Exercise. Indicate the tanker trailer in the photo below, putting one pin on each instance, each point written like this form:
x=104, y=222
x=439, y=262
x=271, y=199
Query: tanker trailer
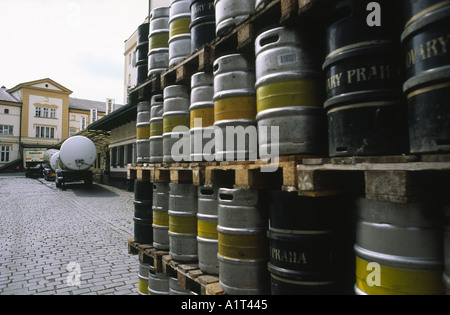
x=49, y=172
x=76, y=157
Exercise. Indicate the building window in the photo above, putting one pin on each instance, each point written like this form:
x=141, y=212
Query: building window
x=6, y=130
x=114, y=157
x=6, y=111
x=45, y=132
x=45, y=112
x=4, y=156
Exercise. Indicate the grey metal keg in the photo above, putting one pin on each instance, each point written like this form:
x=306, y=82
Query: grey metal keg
x=158, y=56
x=399, y=248
x=143, y=126
x=161, y=216
x=230, y=12
x=183, y=222
x=143, y=278
x=176, y=98
x=202, y=110
x=234, y=106
x=288, y=75
x=236, y=140
x=180, y=36
x=156, y=140
x=176, y=137
x=157, y=106
x=158, y=283
x=300, y=129
x=207, y=229
x=243, y=245
x=447, y=249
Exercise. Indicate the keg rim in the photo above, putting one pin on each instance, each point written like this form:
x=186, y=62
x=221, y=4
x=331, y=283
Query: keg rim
x=426, y=78
x=424, y=21
x=234, y=122
x=289, y=111
x=360, y=49
x=158, y=10
x=368, y=96
x=296, y=276
x=400, y=262
x=291, y=75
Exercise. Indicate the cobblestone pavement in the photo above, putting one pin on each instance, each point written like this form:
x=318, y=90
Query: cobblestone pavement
x=72, y=242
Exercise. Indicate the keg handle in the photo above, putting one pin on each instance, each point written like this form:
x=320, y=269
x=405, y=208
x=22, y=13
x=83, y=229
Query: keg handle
x=272, y=39
x=226, y=197
x=207, y=191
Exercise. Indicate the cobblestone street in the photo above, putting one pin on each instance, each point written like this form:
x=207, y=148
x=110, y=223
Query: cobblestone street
x=71, y=242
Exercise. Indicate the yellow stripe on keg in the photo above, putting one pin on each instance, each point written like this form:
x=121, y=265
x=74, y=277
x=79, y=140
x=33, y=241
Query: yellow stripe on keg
x=143, y=287
x=243, y=246
x=206, y=114
x=174, y=121
x=143, y=132
x=207, y=229
x=179, y=27
x=305, y=92
x=183, y=224
x=159, y=40
x=156, y=129
x=398, y=281
x=243, y=107
x=160, y=218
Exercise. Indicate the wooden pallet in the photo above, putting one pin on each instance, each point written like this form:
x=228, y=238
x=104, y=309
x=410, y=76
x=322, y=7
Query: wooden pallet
x=255, y=174
x=181, y=73
x=233, y=174
x=190, y=277
x=146, y=253
x=405, y=178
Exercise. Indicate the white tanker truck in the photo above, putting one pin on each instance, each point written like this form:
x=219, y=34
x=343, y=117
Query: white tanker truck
x=74, y=160
x=49, y=170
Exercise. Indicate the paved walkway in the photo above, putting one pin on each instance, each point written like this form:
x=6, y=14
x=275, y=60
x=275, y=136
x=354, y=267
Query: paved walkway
x=55, y=242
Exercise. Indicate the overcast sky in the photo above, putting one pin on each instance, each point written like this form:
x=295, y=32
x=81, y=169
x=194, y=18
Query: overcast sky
x=77, y=43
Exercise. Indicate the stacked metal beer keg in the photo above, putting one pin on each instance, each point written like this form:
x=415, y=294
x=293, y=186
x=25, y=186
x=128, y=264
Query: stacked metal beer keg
x=180, y=36
x=364, y=105
x=427, y=74
x=143, y=132
x=156, y=129
x=399, y=248
x=289, y=93
x=183, y=222
x=234, y=108
x=176, y=123
x=161, y=216
x=243, y=245
x=230, y=12
x=203, y=23
x=310, y=251
x=142, y=53
x=202, y=116
x=207, y=237
x=158, y=56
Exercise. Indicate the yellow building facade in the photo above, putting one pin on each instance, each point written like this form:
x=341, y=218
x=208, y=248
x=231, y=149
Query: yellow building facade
x=41, y=113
